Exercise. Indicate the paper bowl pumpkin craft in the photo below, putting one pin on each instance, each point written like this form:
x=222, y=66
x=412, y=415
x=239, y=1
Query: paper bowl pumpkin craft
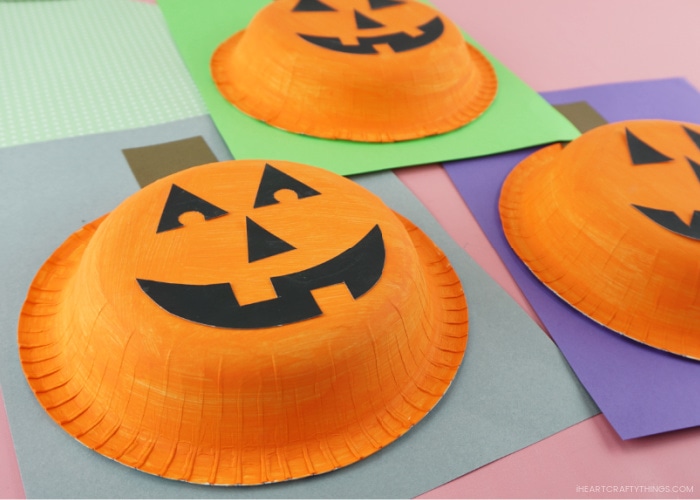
x=611, y=223
x=365, y=70
x=241, y=323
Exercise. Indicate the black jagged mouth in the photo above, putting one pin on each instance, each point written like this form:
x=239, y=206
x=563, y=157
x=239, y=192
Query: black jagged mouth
x=359, y=268
x=670, y=221
x=399, y=42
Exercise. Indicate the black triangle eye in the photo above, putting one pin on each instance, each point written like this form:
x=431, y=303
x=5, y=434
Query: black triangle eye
x=641, y=153
x=312, y=6
x=179, y=202
x=274, y=180
x=380, y=4
x=694, y=136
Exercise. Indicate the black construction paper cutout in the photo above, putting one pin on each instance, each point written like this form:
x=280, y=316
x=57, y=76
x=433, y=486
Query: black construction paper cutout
x=380, y=4
x=695, y=166
x=669, y=220
x=363, y=22
x=399, y=42
x=693, y=135
x=641, y=152
x=274, y=180
x=262, y=243
x=359, y=267
x=207, y=304
x=179, y=202
x=312, y=6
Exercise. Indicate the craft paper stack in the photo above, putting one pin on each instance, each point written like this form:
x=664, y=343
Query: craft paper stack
x=264, y=319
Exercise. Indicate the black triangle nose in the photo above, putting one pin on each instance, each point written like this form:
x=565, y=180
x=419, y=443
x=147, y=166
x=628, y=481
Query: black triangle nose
x=696, y=167
x=363, y=22
x=380, y=4
x=262, y=243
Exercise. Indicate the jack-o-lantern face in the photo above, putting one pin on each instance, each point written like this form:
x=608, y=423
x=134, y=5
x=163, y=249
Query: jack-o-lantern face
x=359, y=267
x=243, y=323
x=642, y=153
x=361, y=70
x=398, y=41
x=611, y=223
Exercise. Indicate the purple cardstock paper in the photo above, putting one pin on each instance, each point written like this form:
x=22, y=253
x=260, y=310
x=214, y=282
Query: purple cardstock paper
x=640, y=390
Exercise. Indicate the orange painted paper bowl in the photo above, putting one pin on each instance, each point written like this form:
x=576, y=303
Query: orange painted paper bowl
x=611, y=224
x=372, y=71
x=242, y=323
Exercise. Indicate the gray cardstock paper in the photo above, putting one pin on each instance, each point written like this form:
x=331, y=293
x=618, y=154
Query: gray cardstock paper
x=513, y=389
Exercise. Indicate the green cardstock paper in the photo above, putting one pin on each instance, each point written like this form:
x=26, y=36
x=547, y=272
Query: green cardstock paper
x=518, y=117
